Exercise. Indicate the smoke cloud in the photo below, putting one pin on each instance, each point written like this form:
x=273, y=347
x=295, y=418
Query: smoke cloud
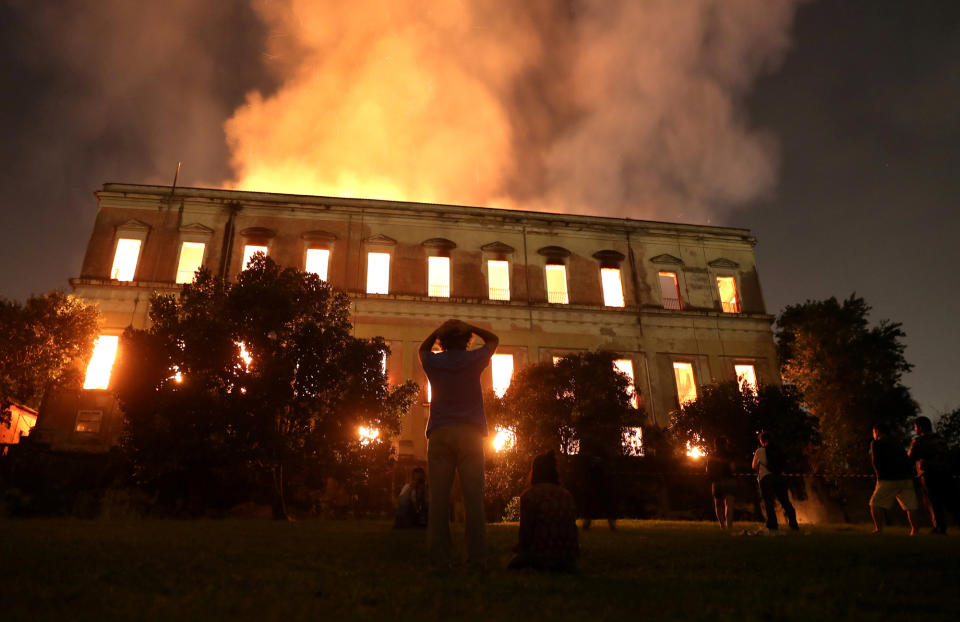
x=614, y=107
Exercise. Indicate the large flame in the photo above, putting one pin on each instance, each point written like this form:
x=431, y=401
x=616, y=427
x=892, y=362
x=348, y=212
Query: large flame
x=604, y=104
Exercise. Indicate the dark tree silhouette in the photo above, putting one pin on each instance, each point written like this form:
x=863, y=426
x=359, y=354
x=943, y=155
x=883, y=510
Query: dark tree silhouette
x=251, y=384
x=848, y=374
x=43, y=343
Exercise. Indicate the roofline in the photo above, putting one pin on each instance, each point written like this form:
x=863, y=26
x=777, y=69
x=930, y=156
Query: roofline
x=306, y=199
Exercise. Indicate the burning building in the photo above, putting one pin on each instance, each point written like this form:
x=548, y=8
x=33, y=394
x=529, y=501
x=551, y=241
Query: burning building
x=680, y=303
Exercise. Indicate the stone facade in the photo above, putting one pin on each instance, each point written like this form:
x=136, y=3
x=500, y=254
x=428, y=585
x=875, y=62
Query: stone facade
x=648, y=329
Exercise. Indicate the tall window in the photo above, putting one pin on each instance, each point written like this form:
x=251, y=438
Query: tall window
x=318, y=259
x=378, y=273
x=191, y=258
x=729, y=301
x=501, y=366
x=686, y=386
x=625, y=367
x=125, y=259
x=101, y=363
x=438, y=277
x=670, y=290
x=746, y=377
x=248, y=252
x=612, y=287
x=498, y=276
x=557, y=283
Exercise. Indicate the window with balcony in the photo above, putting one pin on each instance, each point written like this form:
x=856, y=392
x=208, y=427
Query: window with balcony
x=318, y=261
x=101, y=363
x=249, y=251
x=438, y=277
x=498, y=279
x=612, y=287
x=557, y=284
x=625, y=367
x=501, y=367
x=686, y=385
x=729, y=301
x=378, y=273
x=191, y=258
x=746, y=377
x=125, y=259
x=670, y=290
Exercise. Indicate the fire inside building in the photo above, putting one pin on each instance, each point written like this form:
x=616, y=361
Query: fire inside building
x=680, y=303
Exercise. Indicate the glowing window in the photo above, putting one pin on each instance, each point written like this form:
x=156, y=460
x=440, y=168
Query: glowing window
x=686, y=386
x=746, y=377
x=727, y=285
x=191, y=257
x=556, y=360
x=101, y=363
x=429, y=392
x=317, y=261
x=88, y=421
x=557, y=284
x=612, y=287
x=378, y=273
x=631, y=439
x=498, y=275
x=438, y=277
x=125, y=259
x=501, y=365
x=625, y=367
x=367, y=435
x=670, y=290
x=248, y=252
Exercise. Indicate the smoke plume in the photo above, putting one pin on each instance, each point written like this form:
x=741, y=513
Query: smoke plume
x=613, y=107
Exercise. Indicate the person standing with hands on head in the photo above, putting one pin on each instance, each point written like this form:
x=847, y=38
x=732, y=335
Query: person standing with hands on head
x=455, y=436
x=768, y=463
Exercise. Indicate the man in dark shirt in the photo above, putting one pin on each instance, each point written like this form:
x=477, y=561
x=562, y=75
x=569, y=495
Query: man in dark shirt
x=894, y=479
x=455, y=435
x=723, y=484
x=929, y=452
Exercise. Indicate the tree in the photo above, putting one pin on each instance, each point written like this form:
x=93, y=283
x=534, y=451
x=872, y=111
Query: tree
x=726, y=409
x=848, y=373
x=252, y=385
x=44, y=342
x=579, y=404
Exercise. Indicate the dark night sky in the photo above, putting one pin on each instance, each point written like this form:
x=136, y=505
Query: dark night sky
x=864, y=108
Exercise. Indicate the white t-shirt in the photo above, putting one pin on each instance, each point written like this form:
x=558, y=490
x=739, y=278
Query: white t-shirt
x=760, y=463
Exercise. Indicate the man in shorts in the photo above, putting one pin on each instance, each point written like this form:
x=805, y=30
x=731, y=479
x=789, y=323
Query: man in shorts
x=894, y=479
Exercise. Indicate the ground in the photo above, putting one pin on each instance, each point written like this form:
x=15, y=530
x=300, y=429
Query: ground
x=322, y=570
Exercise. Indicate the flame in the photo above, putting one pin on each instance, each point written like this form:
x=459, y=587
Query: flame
x=367, y=434
x=695, y=451
x=504, y=439
x=245, y=356
x=101, y=363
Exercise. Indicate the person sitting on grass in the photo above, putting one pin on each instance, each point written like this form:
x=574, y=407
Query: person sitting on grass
x=894, y=479
x=722, y=483
x=548, y=521
x=412, y=503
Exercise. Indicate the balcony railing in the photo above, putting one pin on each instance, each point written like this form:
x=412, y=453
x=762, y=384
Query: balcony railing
x=558, y=297
x=438, y=290
x=499, y=293
x=672, y=304
x=731, y=307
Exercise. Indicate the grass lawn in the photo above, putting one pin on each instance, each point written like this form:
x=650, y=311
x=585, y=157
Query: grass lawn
x=322, y=570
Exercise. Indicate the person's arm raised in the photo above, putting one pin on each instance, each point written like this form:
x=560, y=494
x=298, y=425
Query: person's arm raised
x=431, y=339
x=490, y=340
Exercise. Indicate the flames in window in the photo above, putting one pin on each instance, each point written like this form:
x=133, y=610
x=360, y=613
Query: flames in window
x=367, y=435
x=438, y=277
x=686, y=385
x=746, y=377
x=101, y=363
x=625, y=367
x=125, y=259
x=632, y=441
x=378, y=273
x=501, y=366
x=557, y=284
x=612, y=287
x=191, y=258
x=498, y=275
x=727, y=286
x=248, y=251
x=695, y=448
x=504, y=439
x=317, y=261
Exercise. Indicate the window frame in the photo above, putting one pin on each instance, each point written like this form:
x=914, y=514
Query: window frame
x=676, y=283
x=736, y=289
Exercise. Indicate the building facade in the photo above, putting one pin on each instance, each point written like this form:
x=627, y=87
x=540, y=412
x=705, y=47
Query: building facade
x=681, y=303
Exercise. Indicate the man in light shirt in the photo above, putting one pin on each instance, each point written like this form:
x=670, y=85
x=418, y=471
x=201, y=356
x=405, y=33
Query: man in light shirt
x=768, y=463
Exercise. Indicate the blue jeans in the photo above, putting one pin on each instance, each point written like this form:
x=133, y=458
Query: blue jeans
x=452, y=449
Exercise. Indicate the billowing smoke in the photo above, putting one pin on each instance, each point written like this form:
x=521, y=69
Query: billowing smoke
x=614, y=107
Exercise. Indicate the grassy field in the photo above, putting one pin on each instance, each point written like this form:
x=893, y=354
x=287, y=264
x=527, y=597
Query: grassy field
x=324, y=570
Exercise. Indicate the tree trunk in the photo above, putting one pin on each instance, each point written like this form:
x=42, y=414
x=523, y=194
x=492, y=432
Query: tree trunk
x=279, y=499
